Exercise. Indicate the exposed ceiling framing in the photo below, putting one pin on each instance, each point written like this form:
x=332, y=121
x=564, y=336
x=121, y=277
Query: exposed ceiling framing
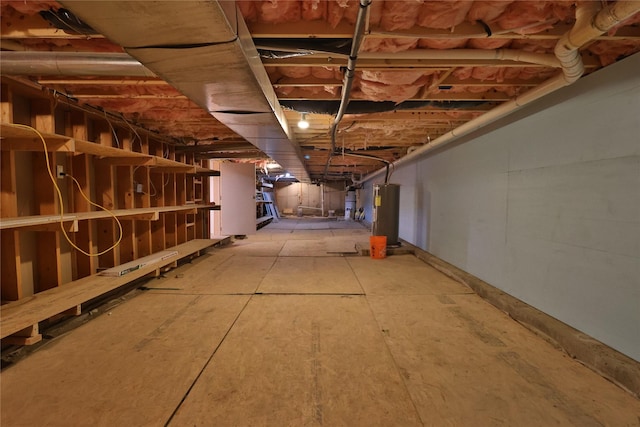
x=424, y=69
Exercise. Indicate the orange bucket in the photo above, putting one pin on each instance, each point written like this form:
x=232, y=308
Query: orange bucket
x=378, y=247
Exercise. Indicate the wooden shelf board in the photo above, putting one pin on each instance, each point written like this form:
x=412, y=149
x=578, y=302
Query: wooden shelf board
x=108, y=152
x=18, y=315
x=19, y=139
x=170, y=169
x=161, y=162
x=33, y=222
x=143, y=214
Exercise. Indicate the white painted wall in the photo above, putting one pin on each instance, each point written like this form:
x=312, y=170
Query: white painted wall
x=547, y=207
x=292, y=195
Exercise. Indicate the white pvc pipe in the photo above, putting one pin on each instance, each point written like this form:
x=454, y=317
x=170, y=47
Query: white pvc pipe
x=468, y=55
x=589, y=25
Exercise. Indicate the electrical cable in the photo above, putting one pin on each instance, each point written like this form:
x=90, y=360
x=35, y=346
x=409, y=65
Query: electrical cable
x=61, y=201
x=113, y=130
x=100, y=207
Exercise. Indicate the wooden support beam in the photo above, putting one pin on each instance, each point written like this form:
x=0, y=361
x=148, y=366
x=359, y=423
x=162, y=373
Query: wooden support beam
x=172, y=169
x=35, y=144
x=65, y=81
x=129, y=161
x=223, y=145
x=387, y=63
x=241, y=155
x=148, y=216
x=11, y=281
x=6, y=105
x=27, y=336
x=24, y=26
x=300, y=29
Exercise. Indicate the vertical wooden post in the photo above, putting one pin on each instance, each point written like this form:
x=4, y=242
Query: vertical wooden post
x=158, y=242
x=125, y=195
x=141, y=175
x=170, y=229
x=81, y=171
x=48, y=274
x=181, y=193
x=106, y=228
x=11, y=278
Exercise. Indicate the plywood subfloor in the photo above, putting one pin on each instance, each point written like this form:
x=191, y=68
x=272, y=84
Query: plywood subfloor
x=301, y=360
x=245, y=336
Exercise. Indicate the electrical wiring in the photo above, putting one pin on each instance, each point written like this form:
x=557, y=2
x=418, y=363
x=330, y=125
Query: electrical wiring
x=100, y=207
x=57, y=188
x=134, y=131
x=113, y=130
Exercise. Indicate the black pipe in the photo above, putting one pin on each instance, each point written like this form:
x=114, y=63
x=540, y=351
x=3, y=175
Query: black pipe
x=365, y=107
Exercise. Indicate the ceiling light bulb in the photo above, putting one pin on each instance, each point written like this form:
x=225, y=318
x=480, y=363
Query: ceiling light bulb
x=303, y=123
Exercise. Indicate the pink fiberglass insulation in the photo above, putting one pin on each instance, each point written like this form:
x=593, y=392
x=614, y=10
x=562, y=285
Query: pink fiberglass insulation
x=609, y=50
x=528, y=17
x=443, y=14
x=442, y=43
x=488, y=73
x=278, y=12
x=314, y=9
x=377, y=90
x=388, y=45
x=487, y=11
x=248, y=10
x=399, y=15
x=325, y=72
x=463, y=73
x=536, y=46
x=394, y=77
x=342, y=9
x=295, y=72
x=488, y=43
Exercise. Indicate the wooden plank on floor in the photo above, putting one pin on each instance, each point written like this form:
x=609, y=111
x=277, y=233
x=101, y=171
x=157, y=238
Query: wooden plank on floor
x=466, y=363
x=130, y=367
x=309, y=275
x=319, y=247
x=251, y=247
x=18, y=315
x=402, y=274
x=218, y=273
x=300, y=361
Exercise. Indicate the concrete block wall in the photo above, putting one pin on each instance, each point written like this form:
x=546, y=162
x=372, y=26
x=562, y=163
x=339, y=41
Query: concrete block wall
x=545, y=206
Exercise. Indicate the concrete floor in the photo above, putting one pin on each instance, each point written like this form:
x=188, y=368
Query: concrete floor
x=283, y=329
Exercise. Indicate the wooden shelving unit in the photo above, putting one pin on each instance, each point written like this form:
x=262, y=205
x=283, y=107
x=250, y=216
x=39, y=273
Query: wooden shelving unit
x=159, y=197
x=266, y=211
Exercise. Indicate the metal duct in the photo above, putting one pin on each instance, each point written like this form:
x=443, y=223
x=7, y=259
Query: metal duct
x=33, y=63
x=203, y=49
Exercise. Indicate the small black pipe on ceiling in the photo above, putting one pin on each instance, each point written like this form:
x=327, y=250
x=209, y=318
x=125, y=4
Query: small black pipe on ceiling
x=366, y=107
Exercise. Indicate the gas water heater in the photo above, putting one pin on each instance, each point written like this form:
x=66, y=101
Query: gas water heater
x=386, y=210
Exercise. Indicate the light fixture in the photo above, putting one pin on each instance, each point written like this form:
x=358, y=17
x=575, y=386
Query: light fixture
x=303, y=123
